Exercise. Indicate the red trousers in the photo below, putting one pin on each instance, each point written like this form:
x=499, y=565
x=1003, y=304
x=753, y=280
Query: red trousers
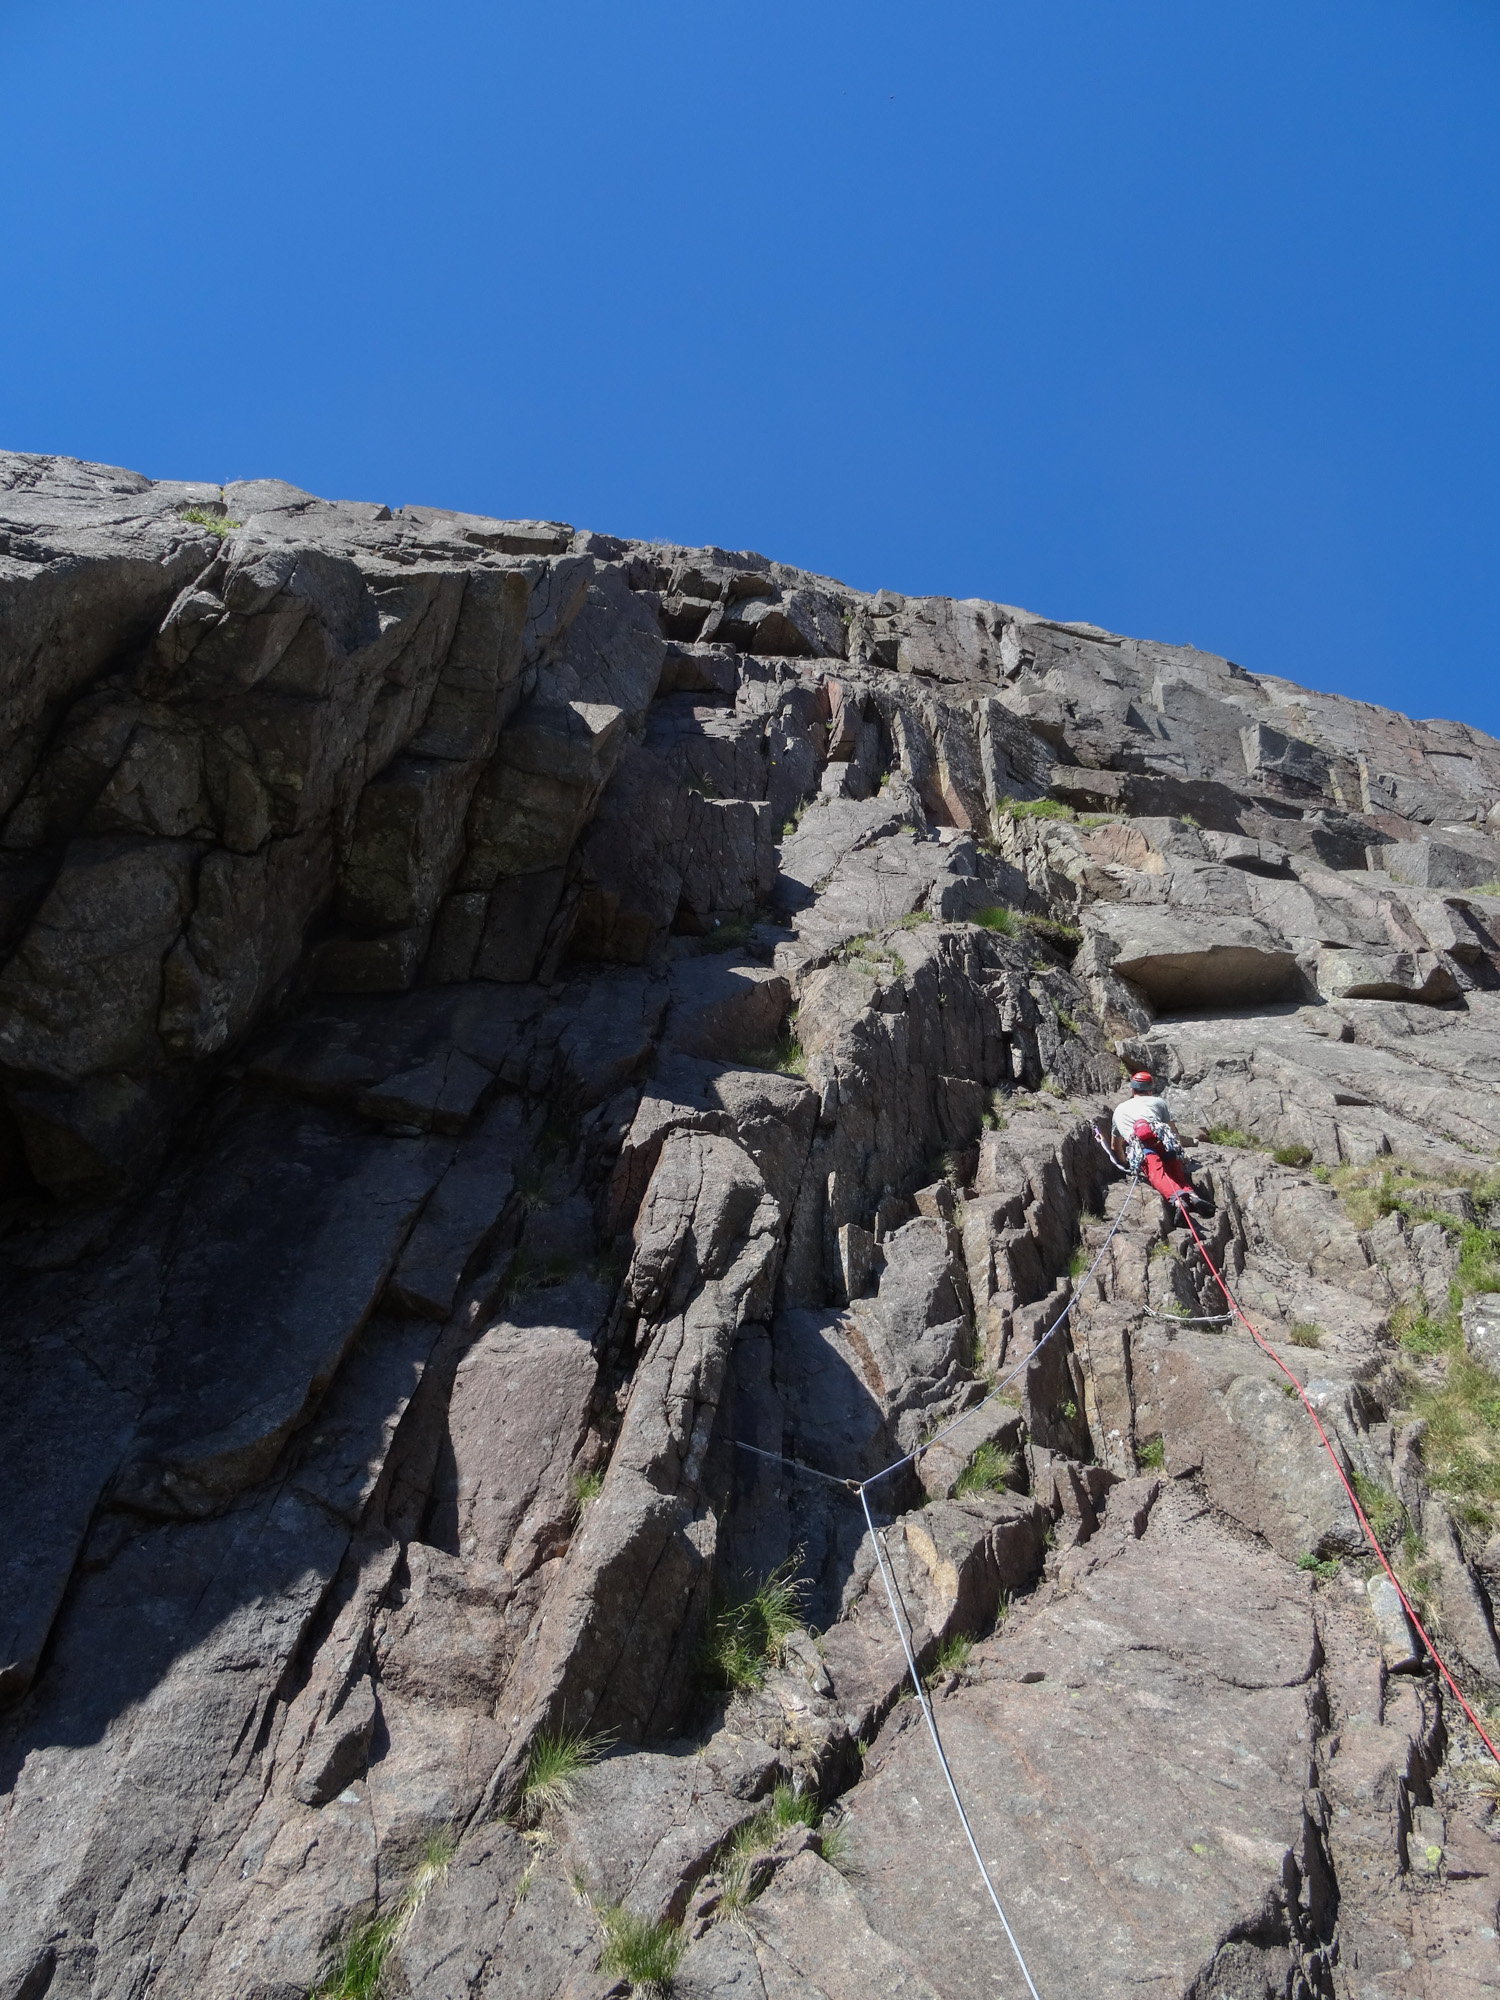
x=1166, y=1174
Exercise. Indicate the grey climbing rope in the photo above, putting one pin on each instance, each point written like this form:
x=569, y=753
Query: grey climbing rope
x=937, y=1743
x=797, y=1464
x=860, y=1488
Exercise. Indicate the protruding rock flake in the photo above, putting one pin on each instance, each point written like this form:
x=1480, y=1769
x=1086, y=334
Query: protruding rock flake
x=533, y=1067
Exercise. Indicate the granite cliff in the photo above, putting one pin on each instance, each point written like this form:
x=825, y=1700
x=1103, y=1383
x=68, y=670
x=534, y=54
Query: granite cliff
x=496, y=1019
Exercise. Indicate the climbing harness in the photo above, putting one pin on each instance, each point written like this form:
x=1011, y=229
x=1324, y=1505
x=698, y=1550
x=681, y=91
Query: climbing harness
x=1164, y=1143
x=859, y=1488
x=1370, y=1535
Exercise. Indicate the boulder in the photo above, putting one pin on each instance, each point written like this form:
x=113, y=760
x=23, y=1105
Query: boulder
x=725, y=1010
x=1229, y=1416
x=1439, y=864
x=1384, y=975
x=1481, y=1323
x=254, y=1322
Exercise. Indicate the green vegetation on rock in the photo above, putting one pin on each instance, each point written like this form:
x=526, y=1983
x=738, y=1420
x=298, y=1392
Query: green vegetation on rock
x=990, y=1470
x=746, y=1632
x=217, y=523
x=555, y=1767
x=647, y=1954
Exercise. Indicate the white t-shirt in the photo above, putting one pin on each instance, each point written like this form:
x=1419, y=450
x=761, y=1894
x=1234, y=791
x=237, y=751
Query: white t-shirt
x=1152, y=1109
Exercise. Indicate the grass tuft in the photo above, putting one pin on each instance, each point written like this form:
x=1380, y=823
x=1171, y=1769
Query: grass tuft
x=216, y=521
x=730, y=933
x=1064, y=936
x=1292, y=1156
x=1305, y=1334
x=785, y=1055
x=1382, y=1509
x=1231, y=1135
x=990, y=1470
x=1482, y=1778
x=876, y=959
x=1037, y=809
x=1417, y=1329
x=1461, y=1446
x=746, y=1633
x=995, y=1119
x=952, y=1656
x=556, y=1765
x=1418, y=1575
x=833, y=1840
x=1389, y=1187
x=358, y=1968
x=529, y=1274
x=787, y=1806
x=583, y=1488
x=996, y=919
x=1478, y=1260
x=1152, y=1455
x=646, y=1954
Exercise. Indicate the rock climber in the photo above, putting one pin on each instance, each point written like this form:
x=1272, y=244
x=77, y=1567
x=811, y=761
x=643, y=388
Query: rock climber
x=1144, y=1132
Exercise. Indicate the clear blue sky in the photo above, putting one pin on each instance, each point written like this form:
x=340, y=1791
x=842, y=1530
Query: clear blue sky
x=1174, y=316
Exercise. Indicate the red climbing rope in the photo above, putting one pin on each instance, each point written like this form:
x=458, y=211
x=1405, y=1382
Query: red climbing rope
x=1370, y=1534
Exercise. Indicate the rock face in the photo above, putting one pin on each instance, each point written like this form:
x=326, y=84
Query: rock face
x=528, y=1061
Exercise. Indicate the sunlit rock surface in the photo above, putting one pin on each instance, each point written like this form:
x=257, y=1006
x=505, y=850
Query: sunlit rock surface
x=497, y=1019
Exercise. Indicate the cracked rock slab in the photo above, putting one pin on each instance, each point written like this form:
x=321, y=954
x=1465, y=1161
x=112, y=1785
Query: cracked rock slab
x=1134, y=1757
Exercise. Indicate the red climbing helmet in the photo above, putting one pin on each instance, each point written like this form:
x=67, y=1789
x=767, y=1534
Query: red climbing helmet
x=1143, y=1080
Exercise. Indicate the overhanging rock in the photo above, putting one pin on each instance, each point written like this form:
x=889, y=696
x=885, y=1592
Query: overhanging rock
x=1184, y=958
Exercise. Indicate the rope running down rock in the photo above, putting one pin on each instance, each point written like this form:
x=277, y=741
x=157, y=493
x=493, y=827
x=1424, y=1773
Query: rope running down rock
x=937, y=1742
x=1370, y=1535
x=860, y=1489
